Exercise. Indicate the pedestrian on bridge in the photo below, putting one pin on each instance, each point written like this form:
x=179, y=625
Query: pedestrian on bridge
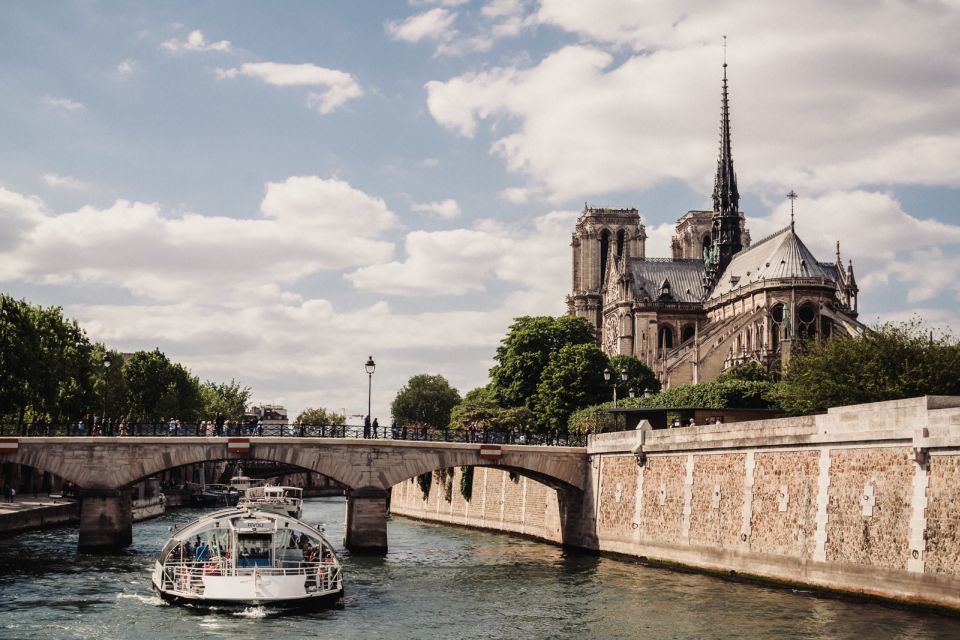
x=376, y=427
x=366, y=427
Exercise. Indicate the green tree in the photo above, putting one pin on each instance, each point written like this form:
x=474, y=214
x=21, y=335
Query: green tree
x=525, y=352
x=45, y=362
x=640, y=378
x=228, y=398
x=425, y=400
x=572, y=380
x=889, y=362
x=17, y=345
x=158, y=388
x=478, y=409
x=321, y=417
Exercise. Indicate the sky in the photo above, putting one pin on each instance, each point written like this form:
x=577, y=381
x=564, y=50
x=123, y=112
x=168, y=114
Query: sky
x=272, y=192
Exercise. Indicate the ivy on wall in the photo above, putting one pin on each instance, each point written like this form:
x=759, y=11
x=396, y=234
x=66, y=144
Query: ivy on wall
x=466, y=483
x=424, y=480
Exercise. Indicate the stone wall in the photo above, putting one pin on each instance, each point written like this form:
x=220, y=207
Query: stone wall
x=862, y=499
x=499, y=501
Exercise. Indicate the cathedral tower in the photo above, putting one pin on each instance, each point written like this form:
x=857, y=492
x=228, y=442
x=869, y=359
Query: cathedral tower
x=601, y=233
x=726, y=240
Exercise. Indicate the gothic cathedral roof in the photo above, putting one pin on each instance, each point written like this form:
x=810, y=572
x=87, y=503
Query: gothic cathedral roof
x=782, y=255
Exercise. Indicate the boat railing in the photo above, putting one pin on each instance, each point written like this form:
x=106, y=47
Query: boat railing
x=187, y=576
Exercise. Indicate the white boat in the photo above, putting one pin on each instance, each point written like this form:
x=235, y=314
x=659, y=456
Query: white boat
x=242, y=557
x=284, y=500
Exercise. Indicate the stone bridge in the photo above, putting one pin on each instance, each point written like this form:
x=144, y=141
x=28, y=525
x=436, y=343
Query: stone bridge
x=103, y=467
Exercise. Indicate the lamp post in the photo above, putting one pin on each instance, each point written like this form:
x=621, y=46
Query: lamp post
x=369, y=366
x=606, y=377
x=107, y=361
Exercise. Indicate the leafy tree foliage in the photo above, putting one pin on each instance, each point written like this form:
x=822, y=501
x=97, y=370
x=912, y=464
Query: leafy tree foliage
x=228, y=398
x=573, y=379
x=736, y=388
x=890, y=362
x=425, y=400
x=640, y=378
x=321, y=417
x=46, y=366
x=159, y=388
x=525, y=352
x=482, y=412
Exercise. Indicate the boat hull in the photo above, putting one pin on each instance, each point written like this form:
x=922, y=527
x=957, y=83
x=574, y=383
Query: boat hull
x=306, y=603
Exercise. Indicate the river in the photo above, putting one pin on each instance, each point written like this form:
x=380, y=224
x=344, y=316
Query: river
x=436, y=582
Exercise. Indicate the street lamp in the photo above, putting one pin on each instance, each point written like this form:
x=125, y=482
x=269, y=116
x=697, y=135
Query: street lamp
x=107, y=361
x=369, y=366
x=606, y=377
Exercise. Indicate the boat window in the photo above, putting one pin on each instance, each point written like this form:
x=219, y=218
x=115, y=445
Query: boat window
x=253, y=550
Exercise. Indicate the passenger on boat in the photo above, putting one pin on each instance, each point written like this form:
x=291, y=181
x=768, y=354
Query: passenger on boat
x=203, y=551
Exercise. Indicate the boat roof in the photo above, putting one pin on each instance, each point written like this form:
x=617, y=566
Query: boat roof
x=249, y=519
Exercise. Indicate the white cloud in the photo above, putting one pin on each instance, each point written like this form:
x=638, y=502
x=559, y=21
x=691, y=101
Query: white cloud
x=19, y=214
x=459, y=261
x=63, y=182
x=820, y=101
x=65, y=103
x=340, y=85
x=196, y=42
x=447, y=209
x=308, y=224
x=128, y=67
x=435, y=24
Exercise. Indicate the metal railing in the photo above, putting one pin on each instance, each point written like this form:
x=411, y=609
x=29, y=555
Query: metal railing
x=181, y=430
x=187, y=576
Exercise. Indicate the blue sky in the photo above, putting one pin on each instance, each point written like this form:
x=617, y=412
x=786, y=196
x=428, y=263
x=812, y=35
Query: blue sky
x=275, y=191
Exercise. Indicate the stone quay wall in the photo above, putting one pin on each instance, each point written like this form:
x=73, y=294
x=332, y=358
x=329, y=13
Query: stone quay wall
x=52, y=515
x=863, y=499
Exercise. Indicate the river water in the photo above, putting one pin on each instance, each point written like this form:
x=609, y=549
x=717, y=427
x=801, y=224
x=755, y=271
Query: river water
x=436, y=582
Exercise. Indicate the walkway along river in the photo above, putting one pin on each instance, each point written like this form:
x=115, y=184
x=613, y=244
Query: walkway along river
x=435, y=582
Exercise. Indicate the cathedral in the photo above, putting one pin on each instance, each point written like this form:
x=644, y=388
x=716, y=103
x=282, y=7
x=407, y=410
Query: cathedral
x=720, y=301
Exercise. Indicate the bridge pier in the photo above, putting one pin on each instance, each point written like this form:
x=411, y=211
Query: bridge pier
x=365, y=528
x=106, y=520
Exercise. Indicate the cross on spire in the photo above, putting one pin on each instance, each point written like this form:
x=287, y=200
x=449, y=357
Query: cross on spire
x=793, y=196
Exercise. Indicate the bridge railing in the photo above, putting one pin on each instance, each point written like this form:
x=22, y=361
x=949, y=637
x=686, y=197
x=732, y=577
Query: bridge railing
x=204, y=430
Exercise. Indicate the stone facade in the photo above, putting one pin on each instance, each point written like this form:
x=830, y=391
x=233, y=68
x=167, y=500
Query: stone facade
x=862, y=499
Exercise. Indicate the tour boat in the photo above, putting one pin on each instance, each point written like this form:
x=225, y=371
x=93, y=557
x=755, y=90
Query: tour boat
x=287, y=501
x=243, y=557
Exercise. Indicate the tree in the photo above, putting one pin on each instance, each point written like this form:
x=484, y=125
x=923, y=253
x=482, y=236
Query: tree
x=572, y=380
x=525, y=352
x=228, y=398
x=321, y=417
x=158, y=388
x=478, y=409
x=889, y=362
x=639, y=376
x=425, y=400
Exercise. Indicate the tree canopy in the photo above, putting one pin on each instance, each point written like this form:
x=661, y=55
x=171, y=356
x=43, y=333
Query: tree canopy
x=573, y=379
x=889, y=362
x=525, y=352
x=425, y=400
x=227, y=398
x=318, y=416
x=479, y=409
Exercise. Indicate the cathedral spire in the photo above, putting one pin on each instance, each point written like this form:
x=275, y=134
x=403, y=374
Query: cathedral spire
x=725, y=233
